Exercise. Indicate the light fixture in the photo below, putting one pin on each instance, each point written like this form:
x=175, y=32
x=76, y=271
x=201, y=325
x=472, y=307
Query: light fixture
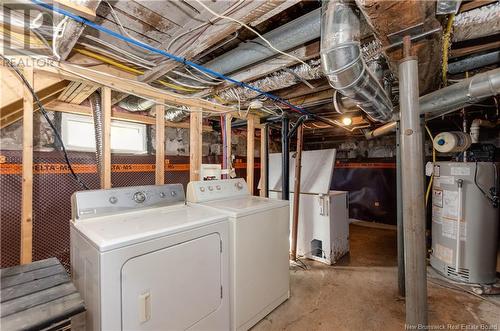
x=346, y=121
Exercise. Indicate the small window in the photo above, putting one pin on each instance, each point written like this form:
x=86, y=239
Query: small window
x=78, y=135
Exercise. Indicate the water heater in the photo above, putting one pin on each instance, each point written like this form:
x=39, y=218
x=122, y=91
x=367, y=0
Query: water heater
x=461, y=191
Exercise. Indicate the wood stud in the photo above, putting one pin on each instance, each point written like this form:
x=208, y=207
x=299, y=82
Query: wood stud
x=106, y=139
x=160, y=143
x=27, y=173
x=195, y=143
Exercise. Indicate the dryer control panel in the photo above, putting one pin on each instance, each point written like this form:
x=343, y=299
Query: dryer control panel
x=200, y=191
x=88, y=204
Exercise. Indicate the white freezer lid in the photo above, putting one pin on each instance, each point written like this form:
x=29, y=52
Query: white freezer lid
x=119, y=230
x=316, y=174
x=243, y=206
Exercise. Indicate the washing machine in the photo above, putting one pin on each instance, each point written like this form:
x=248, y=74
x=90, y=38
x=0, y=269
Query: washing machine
x=144, y=260
x=259, y=242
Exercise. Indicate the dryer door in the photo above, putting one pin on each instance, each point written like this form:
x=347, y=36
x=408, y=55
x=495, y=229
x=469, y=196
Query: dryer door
x=173, y=288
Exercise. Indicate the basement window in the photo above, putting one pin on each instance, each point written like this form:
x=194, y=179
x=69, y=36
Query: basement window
x=77, y=133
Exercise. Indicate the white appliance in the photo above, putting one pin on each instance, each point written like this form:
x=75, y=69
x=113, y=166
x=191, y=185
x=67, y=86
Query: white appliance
x=259, y=244
x=323, y=231
x=144, y=260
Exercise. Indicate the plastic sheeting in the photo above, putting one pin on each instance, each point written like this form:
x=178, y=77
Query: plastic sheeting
x=372, y=190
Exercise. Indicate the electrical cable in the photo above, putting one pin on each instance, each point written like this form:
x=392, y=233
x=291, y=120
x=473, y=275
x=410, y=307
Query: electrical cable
x=128, y=68
x=493, y=199
x=178, y=59
x=209, y=22
x=251, y=29
x=45, y=115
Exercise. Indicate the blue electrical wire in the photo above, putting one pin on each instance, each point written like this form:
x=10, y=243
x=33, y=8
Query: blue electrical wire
x=171, y=56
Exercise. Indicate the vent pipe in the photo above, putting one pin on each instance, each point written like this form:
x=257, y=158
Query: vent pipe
x=343, y=63
x=451, y=98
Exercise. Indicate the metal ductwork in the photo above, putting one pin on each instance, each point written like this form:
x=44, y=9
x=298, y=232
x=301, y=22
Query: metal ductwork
x=342, y=60
x=133, y=103
x=98, y=115
x=290, y=35
x=452, y=98
x=462, y=94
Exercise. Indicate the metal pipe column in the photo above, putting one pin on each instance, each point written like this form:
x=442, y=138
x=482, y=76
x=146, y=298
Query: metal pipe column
x=296, y=196
x=265, y=132
x=285, y=159
x=399, y=215
x=413, y=191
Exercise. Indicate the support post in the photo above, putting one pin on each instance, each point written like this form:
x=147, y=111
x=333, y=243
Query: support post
x=250, y=152
x=285, y=159
x=413, y=191
x=229, y=160
x=399, y=215
x=160, y=143
x=195, y=143
x=296, y=196
x=106, y=138
x=27, y=173
x=263, y=160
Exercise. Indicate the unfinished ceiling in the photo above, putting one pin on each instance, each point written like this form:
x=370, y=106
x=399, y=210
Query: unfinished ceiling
x=190, y=29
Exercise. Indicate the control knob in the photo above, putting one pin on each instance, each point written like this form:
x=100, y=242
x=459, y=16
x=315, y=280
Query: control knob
x=139, y=197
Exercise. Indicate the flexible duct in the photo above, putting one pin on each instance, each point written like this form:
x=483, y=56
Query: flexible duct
x=97, y=113
x=451, y=98
x=133, y=103
x=342, y=61
x=173, y=114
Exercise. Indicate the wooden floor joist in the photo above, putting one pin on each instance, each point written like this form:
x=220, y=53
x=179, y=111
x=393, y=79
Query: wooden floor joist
x=81, y=74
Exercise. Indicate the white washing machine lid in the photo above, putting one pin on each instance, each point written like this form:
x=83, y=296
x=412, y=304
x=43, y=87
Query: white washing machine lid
x=246, y=205
x=119, y=230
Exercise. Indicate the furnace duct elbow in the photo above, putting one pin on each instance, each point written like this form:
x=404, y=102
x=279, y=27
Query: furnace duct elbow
x=342, y=61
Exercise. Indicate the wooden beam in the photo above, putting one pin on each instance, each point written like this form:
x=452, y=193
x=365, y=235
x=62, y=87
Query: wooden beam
x=64, y=107
x=14, y=112
x=74, y=29
x=160, y=144
x=229, y=150
x=250, y=151
x=106, y=138
x=474, y=4
x=195, y=143
x=263, y=159
x=88, y=12
x=27, y=172
x=454, y=53
x=81, y=74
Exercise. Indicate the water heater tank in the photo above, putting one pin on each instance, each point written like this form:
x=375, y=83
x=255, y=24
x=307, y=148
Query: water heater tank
x=472, y=257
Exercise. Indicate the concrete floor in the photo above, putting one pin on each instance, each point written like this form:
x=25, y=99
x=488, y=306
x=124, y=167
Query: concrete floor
x=360, y=293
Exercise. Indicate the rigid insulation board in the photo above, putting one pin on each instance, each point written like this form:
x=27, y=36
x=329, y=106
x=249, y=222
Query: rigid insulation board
x=371, y=187
x=315, y=176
